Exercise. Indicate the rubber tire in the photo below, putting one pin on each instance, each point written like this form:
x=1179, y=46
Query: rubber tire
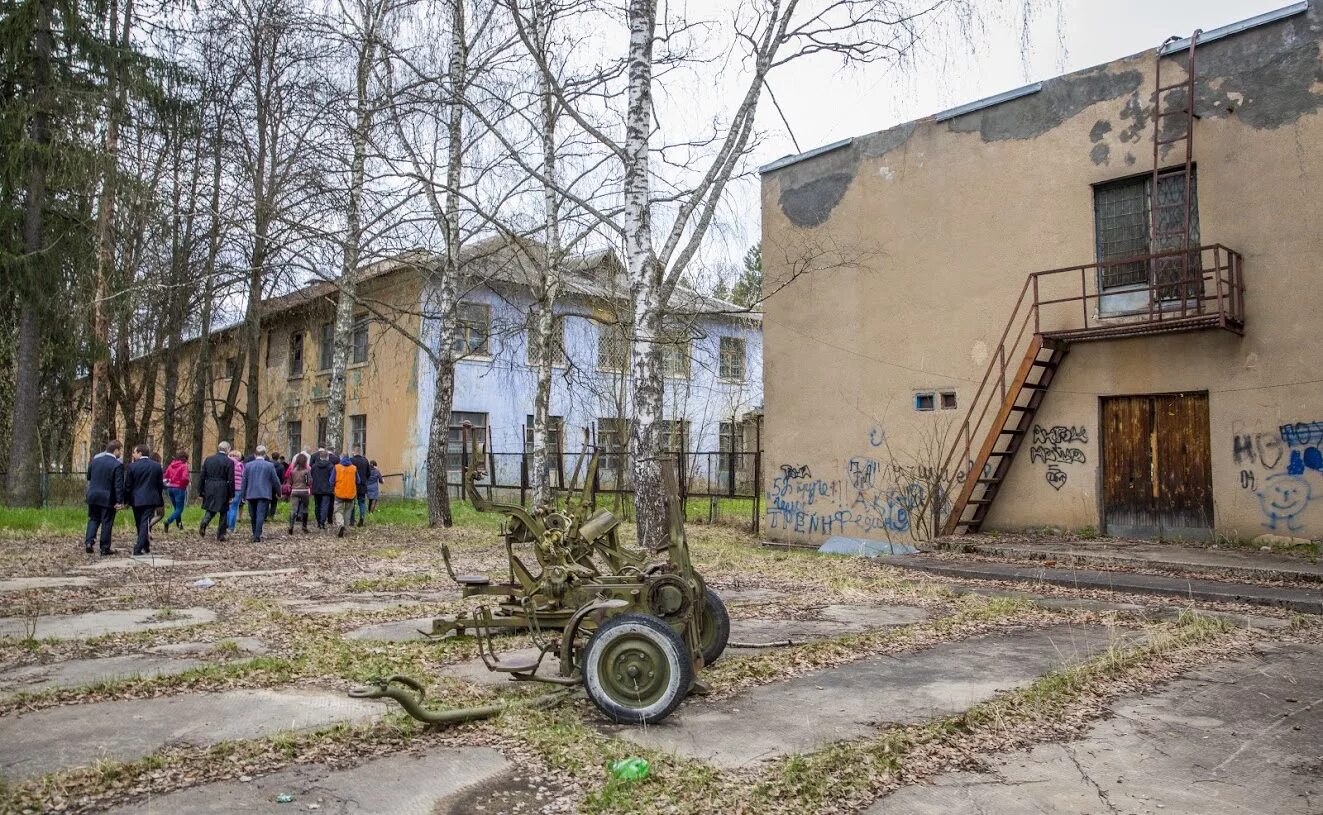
x=714, y=613
x=661, y=636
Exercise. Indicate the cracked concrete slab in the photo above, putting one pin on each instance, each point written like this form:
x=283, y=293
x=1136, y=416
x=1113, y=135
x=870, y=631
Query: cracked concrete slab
x=98, y=623
x=28, y=583
x=400, y=785
x=318, y=607
x=475, y=670
x=851, y=701
x=156, y=561
x=249, y=573
x=395, y=631
x=1238, y=738
x=76, y=736
x=841, y=619
x=753, y=596
x=246, y=645
x=76, y=673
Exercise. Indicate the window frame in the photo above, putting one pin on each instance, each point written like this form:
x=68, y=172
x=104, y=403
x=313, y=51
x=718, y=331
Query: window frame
x=724, y=359
x=559, y=360
x=919, y=400
x=294, y=435
x=321, y=433
x=1135, y=274
x=358, y=435
x=326, y=347
x=296, y=350
x=360, y=339
x=462, y=346
x=608, y=336
x=455, y=439
x=947, y=400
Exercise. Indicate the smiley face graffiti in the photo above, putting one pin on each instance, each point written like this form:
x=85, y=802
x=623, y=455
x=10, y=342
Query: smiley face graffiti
x=1283, y=497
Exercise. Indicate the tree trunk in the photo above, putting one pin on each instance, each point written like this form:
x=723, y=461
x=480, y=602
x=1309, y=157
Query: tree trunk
x=443, y=360
x=544, y=327
x=23, y=480
x=202, y=383
x=645, y=281
x=438, y=439
x=344, y=309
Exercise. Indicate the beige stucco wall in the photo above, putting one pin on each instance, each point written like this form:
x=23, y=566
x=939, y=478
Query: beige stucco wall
x=895, y=262
x=384, y=388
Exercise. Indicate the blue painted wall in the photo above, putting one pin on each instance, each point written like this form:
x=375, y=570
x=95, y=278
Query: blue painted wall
x=503, y=384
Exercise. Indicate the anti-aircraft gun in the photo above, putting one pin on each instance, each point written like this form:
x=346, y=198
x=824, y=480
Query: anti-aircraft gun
x=632, y=627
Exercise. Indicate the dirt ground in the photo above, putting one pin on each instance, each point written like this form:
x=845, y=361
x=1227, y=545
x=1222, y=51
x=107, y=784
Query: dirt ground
x=181, y=686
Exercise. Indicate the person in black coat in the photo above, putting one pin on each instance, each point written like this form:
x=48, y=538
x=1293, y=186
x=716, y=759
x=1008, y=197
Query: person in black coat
x=364, y=468
x=323, y=486
x=143, y=482
x=105, y=494
x=217, y=489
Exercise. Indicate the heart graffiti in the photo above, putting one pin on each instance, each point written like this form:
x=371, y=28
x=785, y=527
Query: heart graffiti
x=1056, y=477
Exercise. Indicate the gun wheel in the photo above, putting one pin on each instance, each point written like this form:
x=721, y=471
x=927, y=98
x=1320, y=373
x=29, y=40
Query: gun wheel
x=636, y=669
x=713, y=627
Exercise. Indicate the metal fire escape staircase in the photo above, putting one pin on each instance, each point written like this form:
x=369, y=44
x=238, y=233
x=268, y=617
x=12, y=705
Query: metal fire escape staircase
x=1189, y=288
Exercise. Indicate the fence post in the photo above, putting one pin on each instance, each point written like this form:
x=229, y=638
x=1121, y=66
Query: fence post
x=523, y=480
x=491, y=464
x=730, y=461
x=757, y=471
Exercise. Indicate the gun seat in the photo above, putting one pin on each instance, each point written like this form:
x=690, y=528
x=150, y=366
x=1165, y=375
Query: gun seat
x=473, y=579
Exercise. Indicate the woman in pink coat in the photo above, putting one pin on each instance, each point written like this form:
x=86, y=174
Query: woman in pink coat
x=176, y=485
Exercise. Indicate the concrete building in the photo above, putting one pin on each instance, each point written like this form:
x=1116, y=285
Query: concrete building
x=924, y=373
x=714, y=370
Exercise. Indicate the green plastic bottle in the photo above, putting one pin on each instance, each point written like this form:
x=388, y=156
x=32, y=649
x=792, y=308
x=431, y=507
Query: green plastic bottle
x=629, y=769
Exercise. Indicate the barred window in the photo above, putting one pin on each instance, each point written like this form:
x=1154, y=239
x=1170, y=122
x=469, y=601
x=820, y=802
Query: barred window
x=557, y=344
x=1124, y=212
x=612, y=348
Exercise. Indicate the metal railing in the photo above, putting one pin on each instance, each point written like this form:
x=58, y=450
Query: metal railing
x=1185, y=290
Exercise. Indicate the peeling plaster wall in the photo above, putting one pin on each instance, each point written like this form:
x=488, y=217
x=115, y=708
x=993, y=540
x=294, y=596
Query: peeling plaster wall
x=921, y=237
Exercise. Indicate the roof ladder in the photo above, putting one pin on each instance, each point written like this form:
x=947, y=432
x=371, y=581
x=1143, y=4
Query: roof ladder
x=1169, y=220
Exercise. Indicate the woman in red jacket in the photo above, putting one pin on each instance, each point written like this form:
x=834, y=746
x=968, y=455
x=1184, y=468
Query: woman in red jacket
x=176, y=484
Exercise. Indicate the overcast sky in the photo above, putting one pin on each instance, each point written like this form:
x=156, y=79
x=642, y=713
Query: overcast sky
x=824, y=104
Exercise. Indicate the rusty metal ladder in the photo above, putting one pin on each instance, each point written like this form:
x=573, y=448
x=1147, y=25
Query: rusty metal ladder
x=1161, y=239
x=1013, y=423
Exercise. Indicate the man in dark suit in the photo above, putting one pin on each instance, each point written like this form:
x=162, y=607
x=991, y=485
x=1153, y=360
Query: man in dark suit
x=143, y=482
x=217, y=488
x=260, y=482
x=364, y=468
x=105, y=494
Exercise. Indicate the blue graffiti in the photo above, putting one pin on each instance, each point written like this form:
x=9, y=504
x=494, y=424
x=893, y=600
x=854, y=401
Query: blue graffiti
x=1283, y=497
x=815, y=508
x=1302, y=434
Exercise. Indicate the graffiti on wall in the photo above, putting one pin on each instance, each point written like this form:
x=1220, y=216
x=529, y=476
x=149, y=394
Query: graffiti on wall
x=873, y=497
x=1289, y=458
x=791, y=471
x=1055, y=446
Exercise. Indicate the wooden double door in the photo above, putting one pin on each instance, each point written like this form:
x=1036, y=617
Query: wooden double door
x=1157, y=472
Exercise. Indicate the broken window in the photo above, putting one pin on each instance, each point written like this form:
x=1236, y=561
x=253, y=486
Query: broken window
x=948, y=400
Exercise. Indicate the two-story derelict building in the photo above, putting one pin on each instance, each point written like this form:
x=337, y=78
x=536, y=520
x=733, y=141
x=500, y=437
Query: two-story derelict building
x=1091, y=302
x=713, y=370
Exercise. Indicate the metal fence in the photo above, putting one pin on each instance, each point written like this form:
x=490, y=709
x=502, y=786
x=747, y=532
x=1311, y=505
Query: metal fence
x=717, y=487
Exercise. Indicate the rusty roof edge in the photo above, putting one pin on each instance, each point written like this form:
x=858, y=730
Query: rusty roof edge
x=1176, y=46
x=786, y=161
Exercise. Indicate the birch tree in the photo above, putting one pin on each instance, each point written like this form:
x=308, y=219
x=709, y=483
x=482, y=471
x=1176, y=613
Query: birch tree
x=364, y=24
x=666, y=209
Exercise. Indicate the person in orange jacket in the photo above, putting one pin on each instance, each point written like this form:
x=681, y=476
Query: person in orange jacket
x=346, y=491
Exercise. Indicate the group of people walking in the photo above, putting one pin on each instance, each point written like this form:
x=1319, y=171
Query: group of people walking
x=345, y=489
